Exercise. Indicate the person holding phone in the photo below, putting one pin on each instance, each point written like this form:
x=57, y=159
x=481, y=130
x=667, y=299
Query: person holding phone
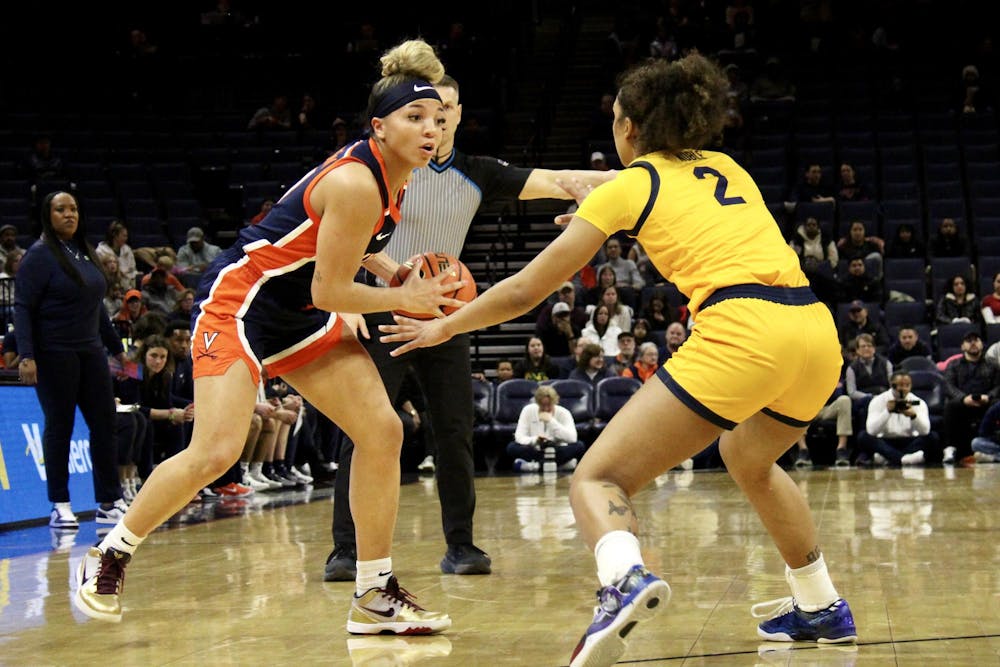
x=898, y=427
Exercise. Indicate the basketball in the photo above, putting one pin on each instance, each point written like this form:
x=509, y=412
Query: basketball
x=434, y=264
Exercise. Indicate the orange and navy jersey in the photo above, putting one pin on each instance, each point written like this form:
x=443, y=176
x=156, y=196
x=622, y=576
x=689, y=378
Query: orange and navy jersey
x=282, y=246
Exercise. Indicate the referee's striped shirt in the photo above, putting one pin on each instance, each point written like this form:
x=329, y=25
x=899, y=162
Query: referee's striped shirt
x=442, y=199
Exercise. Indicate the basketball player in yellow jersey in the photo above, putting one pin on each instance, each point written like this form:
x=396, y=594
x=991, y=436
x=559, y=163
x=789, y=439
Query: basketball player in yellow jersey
x=760, y=362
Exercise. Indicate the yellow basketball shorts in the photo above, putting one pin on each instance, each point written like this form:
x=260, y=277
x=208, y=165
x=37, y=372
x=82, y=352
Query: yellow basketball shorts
x=757, y=348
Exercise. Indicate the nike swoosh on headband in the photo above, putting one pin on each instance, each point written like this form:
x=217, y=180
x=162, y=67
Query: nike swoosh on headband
x=417, y=88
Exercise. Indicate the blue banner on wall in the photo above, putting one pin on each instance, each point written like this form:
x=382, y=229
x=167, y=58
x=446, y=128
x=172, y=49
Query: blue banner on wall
x=22, y=464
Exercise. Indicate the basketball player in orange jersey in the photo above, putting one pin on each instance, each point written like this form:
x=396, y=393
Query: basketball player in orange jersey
x=759, y=364
x=272, y=301
x=441, y=203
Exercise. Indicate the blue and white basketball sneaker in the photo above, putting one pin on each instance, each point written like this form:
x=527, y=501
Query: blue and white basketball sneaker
x=787, y=623
x=636, y=597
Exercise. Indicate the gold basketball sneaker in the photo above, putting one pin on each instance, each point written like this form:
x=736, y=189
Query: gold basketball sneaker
x=392, y=610
x=101, y=578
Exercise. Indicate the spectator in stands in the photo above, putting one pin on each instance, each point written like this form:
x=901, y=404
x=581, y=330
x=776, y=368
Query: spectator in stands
x=626, y=272
x=815, y=248
x=183, y=305
x=62, y=332
x=858, y=285
x=116, y=244
x=957, y=304
x=505, y=371
x=626, y=354
x=838, y=407
x=675, y=336
x=567, y=294
x=772, y=83
x=598, y=161
x=658, y=312
x=194, y=256
x=949, y=241
x=132, y=309
x=906, y=244
x=602, y=330
x=309, y=116
x=818, y=257
x=986, y=444
x=621, y=312
x=858, y=322
x=544, y=423
x=265, y=208
x=857, y=243
x=990, y=305
x=8, y=242
x=849, y=187
x=568, y=364
x=8, y=285
x=590, y=366
x=153, y=392
x=166, y=264
x=813, y=187
x=974, y=95
x=642, y=331
x=339, y=135
x=601, y=119
x=277, y=116
x=536, y=364
x=605, y=278
x=559, y=331
x=898, y=427
x=907, y=344
x=971, y=384
x=158, y=294
x=646, y=363
x=41, y=164
x=867, y=375
x=117, y=283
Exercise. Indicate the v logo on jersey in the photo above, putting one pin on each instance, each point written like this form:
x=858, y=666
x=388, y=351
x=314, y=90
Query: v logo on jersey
x=209, y=338
x=379, y=237
x=418, y=89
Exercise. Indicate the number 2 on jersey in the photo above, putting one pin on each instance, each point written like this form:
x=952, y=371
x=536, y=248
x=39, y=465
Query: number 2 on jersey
x=720, y=186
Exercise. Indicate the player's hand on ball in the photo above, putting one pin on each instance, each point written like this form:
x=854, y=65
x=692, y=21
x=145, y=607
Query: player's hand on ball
x=429, y=294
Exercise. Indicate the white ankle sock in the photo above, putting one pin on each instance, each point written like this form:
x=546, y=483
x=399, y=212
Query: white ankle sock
x=811, y=586
x=616, y=552
x=122, y=539
x=372, y=574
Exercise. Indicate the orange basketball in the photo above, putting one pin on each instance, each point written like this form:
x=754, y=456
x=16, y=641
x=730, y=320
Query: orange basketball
x=434, y=264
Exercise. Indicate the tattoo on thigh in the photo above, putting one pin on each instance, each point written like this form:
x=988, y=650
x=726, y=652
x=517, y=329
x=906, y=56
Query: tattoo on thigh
x=813, y=555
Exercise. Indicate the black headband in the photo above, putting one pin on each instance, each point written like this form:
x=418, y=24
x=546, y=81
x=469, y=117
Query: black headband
x=402, y=94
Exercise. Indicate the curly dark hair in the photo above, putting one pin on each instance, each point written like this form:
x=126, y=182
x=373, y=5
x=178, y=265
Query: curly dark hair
x=678, y=105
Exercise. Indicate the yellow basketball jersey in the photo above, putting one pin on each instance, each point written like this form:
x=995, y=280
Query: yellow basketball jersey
x=700, y=218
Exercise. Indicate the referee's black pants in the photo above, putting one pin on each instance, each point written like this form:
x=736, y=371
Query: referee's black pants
x=445, y=375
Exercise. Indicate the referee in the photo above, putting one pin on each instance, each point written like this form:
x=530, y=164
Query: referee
x=440, y=204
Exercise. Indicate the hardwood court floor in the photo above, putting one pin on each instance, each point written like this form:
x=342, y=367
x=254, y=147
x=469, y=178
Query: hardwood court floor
x=916, y=553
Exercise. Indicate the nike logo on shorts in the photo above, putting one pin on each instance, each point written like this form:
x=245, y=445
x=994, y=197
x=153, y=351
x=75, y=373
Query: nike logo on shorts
x=379, y=237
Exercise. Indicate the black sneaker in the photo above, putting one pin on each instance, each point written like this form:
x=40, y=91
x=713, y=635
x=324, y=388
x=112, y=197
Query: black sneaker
x=465, y=559
x=342, y=563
